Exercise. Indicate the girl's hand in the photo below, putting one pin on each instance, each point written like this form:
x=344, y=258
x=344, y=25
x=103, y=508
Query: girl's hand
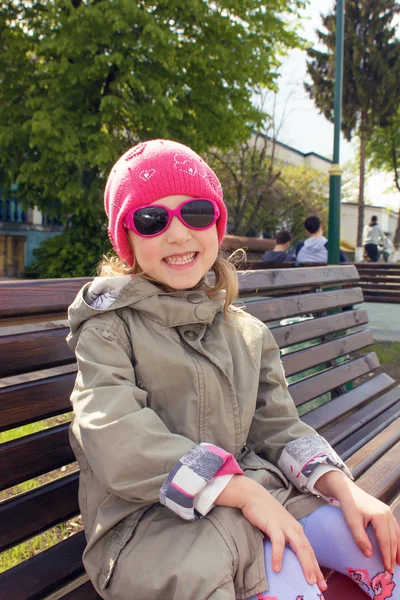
x=265, y=512
x=360, y=509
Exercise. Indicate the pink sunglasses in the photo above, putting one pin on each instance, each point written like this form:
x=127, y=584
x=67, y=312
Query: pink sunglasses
x=153, y=219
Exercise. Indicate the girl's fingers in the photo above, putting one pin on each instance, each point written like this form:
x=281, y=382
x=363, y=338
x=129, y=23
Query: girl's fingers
x=308, y=561
x=360, y=536
x=278, y=547
x=382, y=532
x=393, y=537
x=397, y=526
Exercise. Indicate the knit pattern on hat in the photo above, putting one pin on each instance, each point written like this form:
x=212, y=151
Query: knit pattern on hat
x=150, y=171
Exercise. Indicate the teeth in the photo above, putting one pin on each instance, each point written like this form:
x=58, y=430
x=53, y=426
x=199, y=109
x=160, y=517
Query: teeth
x=182, y=260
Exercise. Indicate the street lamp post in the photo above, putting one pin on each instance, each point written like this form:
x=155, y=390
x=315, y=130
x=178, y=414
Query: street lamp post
x=335, y=172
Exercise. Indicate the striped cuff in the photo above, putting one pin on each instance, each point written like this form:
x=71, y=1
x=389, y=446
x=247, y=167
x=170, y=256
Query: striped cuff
x=204, y=501
x=191, y=475
x=301, y=457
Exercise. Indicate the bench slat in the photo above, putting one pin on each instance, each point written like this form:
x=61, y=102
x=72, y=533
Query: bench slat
x=383, y=279
x=299, y=361
x=27, y=297
x=316, y=385
x=385, y=299
x=85, y=591
x=383, y=475
x=290, y=279
x=339, y=431
x=386, y=287
x=35, y=400
x=295, y=333
x=366, y=456
x=27, y=457
x=32, y=351
x=31, y=513
x=274, y=309
x=46, y=572
x=372, y=266
x=322, y=416
x=365, y=433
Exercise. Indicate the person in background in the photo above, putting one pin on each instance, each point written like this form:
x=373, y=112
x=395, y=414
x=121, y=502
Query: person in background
x=388, y=247
x=315, y=248
x=280, y=252
x=372, y=235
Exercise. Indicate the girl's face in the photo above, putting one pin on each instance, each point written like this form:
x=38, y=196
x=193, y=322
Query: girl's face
x=179, y=257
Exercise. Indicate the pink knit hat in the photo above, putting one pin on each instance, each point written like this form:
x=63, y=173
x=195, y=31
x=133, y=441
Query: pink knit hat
x=150, y=171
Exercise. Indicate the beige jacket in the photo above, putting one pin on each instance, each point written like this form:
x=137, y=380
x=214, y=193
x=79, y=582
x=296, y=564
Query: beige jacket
x=160, y=373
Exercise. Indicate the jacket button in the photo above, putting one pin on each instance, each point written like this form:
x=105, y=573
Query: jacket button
x=203, y=312
x=195, y=298
x=190, y=334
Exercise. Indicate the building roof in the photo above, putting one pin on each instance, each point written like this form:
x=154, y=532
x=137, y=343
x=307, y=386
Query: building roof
x=385, y=208
x=304, y=154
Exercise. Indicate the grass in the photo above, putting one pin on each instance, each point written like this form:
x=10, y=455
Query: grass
x=17, y=432
x=388, y=352
x=21, y=552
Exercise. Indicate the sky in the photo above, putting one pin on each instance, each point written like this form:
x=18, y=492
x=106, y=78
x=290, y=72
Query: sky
x=304, y=128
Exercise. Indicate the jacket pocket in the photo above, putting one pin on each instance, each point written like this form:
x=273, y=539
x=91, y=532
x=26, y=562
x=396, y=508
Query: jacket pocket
x=117, y=540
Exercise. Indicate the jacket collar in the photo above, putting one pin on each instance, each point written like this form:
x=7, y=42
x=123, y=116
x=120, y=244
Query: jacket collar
x=170, y=309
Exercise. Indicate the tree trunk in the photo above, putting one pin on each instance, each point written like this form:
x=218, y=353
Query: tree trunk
x=363, y=144
x=397, y=183
x=397, y=234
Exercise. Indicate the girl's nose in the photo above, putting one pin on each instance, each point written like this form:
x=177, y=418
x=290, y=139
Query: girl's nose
x=177, y=232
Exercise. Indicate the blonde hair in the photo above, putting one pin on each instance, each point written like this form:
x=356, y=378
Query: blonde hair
x=224, y=272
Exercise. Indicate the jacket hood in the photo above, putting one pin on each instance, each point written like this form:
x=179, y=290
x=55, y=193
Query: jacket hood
x=313, y=250
x=315, y=244
x=170, y=309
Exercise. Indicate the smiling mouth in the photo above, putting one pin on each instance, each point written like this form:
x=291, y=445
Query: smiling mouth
x=183, y=259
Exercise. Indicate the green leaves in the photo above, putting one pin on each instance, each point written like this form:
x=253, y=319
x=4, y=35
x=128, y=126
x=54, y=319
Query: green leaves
x=81, y=81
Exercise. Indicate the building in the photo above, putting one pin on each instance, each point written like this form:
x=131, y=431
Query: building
x=21, y=231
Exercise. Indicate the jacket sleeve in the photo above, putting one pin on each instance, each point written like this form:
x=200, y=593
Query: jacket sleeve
x=130, y=450
x=278, y=434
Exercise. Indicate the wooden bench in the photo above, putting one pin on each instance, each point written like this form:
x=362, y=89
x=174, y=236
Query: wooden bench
x=380, y=282
x=338, y=387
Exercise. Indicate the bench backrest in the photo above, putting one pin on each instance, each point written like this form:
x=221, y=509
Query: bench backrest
x=380, y=282
x=330, y=378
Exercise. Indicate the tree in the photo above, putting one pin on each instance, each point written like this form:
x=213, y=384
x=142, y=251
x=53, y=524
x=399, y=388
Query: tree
x=263, y=194
x=247, y=173
x=371, y=74
x=88, y=78
x=383, y=151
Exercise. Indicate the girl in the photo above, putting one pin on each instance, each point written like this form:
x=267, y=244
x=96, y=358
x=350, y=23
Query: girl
x=198, y=479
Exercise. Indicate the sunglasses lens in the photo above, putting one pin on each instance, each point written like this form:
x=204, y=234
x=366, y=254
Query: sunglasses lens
x=150, y=220
x=198, y=214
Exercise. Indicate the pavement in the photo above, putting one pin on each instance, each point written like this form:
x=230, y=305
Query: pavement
x=384, y=321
